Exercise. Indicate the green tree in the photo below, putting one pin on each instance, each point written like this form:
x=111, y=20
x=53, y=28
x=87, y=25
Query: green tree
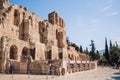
x=110, y=50
x=106, y=54
x=68, y=41
x=92, y=52
x=75, y=46
x=86, y=51
x=81, y=50
x=97, y=55
x=92, y=46
x=102, y=60
x=115, y=55
x=110, y=43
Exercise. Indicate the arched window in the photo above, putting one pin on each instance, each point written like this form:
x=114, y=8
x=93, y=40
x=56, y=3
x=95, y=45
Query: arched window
x=16, y=17
x=49, y=55
x=25, y=30
x=60, y=56
x=25, y=51
x=13, y=52
x=32, y=53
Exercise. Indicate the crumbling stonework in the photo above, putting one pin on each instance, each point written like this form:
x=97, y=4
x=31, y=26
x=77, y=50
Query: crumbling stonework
x=27, y=41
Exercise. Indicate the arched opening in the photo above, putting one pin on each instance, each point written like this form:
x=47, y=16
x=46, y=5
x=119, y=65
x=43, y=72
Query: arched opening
x=69, y=56
x=32, y=53
x=25, y=51
x=49, y=55
x=60, y=55
x=25, y=30
x=13, y=52
x=60, y=39
x=56, y=34
x=16, y=17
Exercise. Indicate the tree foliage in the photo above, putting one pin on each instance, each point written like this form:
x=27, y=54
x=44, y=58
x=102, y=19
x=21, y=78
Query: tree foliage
x=115, y=55
x=81, y=50
x=94, y=55
x=106, y=54
x=75, y=46
x=68, y=41
x=112, y=53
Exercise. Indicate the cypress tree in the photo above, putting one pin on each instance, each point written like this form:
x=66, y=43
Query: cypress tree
x=110, y=43
x=92, y=52
x=86, y=50
x=81, y=50
x=106, y=54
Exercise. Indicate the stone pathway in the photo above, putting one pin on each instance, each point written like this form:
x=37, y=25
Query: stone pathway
x=97, y=74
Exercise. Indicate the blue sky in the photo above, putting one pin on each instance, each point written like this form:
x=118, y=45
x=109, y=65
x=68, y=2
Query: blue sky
x=85, y=20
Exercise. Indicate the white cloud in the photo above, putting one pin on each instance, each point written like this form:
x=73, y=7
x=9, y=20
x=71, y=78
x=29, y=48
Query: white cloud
x=114, y=13
x=106, y=8
x=109, y=11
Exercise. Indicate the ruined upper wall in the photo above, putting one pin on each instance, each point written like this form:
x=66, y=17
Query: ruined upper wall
x=55, y=19
x=4, y=3
x=24, y=25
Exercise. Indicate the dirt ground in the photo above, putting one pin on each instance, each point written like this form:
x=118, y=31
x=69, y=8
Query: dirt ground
x=96, y=74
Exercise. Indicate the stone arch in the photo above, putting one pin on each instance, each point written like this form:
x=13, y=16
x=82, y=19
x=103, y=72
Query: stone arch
x=60, y=55
x=49, y=54
x=25, y=51
x=69, y=56
x=13, y=52
x=16, y=17
x=25, y=30
x=60, y=39
x=32, y=53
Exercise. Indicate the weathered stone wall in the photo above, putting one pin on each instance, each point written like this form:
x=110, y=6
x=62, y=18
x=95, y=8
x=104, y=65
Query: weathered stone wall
x=40, y=50
x=25, y=37
x=54, y=52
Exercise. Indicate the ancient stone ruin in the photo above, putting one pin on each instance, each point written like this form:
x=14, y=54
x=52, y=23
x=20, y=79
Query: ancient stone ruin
x=29, y=44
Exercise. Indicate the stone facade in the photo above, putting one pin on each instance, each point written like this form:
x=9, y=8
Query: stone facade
x=27, y=41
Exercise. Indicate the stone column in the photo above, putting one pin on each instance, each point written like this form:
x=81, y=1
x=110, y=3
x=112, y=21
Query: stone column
x=3, y=57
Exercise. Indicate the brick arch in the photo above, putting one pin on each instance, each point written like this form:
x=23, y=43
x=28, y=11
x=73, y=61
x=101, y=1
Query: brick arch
x=16, y=17
x=13, y=52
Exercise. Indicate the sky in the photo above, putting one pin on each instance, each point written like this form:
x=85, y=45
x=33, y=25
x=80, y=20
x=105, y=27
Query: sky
x=85, y=20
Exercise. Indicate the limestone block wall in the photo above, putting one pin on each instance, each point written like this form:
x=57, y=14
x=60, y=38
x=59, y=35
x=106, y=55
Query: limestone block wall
x=73, y=54
x=54, y=52
x=39, y=67
x=22, y=33
x=65, y=53
x=40, y=50
x=19, y=22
